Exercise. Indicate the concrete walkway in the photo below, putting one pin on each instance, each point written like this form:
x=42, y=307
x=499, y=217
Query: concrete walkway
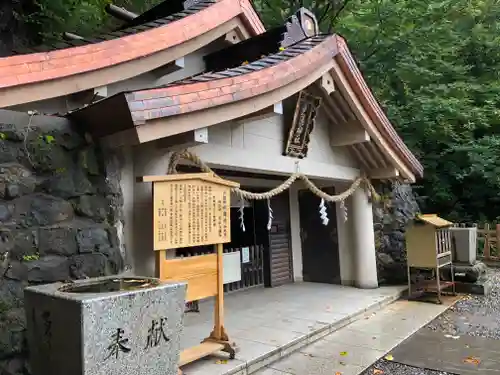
x=268, y=324
x=355, y=347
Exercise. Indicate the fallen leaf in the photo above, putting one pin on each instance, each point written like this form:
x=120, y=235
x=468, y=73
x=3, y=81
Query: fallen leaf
x=389, y=357
x=221, y=361
x=343, y=354
x=376, y=371
x=338, y=373
x=472, y=360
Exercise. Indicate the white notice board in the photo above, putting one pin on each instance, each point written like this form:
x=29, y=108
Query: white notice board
x=232, y=267
x=245, y=255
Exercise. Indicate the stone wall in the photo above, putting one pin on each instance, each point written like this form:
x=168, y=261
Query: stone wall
x=60, y=203
x=391, y=219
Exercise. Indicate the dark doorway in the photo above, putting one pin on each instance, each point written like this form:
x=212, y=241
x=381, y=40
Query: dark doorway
x=320, y=247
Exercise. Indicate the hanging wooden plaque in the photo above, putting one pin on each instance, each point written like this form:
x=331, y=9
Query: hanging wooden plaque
x=190, y=210
x=302, y=125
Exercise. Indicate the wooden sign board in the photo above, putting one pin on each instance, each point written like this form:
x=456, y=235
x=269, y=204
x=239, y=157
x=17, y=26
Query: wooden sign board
x=302, y=125
x=190, y=210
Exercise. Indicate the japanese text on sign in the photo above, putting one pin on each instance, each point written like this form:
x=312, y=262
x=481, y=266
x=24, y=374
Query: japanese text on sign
x=190, y=213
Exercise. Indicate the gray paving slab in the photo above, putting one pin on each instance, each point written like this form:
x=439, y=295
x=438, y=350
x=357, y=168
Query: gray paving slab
x=270, y=323
x=271, y=371
x=355, y=347
x=464, y=355
x=342, y=353
x=305, y=364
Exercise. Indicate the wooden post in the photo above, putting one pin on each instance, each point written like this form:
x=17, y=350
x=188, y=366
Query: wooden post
x=219, y=301
x=486, y=249
x=194, y=210
x=497, y=235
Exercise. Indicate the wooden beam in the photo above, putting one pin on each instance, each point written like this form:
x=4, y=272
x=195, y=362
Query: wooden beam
x=383, y=173
x=119, y=13
x=346, y=135
x=357, y=107
x=247, y=160
x=232, y=37
x=327, y=83
x=378, y=155
x=101, y=92
x=169, y=68
x=373, y=162
x=359, y=156
x=276, y=109
x=184, y=140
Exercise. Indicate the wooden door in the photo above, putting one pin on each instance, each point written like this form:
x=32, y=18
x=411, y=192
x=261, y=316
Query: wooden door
x=278, y=267
x=320, y=250
x=280, y=243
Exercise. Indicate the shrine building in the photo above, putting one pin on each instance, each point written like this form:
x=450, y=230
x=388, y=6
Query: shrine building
x=255, y=106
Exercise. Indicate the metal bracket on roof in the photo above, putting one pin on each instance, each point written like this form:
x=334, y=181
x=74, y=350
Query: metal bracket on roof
x=303, y=24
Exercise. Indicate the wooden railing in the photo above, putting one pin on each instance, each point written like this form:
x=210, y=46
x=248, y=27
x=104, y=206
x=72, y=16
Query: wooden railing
x=488, y=235
x=252, y=272
x=444, y=241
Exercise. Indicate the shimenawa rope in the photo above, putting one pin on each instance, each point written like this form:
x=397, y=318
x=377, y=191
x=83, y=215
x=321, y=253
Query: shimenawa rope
x=189, y=156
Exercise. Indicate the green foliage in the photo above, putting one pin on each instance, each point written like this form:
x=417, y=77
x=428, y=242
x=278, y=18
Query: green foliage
x=49, y=139
x=30, y=258
x=433, y=64
x=434, y=67
x=85, y=18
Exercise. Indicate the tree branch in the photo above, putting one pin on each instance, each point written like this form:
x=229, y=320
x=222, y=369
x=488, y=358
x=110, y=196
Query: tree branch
x=337, y=14
x=325, y=11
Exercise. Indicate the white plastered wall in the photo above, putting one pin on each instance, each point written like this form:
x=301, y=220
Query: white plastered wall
x=250, y=146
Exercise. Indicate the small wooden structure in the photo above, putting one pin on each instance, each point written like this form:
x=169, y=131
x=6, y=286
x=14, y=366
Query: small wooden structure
x=194, y=210
x=429, y=246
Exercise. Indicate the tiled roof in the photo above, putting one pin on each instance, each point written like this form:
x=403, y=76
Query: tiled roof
x=218, y=88
x=70, y=59
x=260, y=64
x=212, y=89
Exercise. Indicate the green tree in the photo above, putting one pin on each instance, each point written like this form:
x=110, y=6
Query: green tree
x=433, y=64
x=51, y=18
x=434, y=67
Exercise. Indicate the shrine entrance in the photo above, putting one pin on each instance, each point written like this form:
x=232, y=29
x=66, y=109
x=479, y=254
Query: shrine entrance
x=265, y=254
x=320, y=244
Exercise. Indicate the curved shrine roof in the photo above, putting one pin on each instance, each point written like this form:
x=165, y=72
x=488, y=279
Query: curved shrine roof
x=304, y=59
x=69, y=58
x=311, y=57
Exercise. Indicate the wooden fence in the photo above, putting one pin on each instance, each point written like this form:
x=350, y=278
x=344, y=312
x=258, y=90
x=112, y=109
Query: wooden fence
x=488, y=241
x=252, y=272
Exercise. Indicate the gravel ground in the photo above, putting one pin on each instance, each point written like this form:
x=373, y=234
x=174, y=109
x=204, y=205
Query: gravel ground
x=473, y=315
x=393, y=368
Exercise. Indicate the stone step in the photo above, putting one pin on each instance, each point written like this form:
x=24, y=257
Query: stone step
x=265, y=359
